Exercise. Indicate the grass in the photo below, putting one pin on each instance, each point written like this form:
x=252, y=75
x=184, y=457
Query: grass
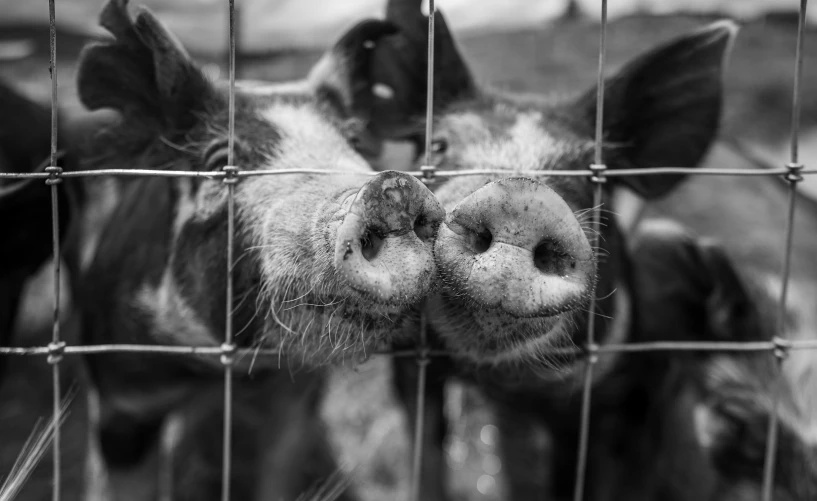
x=369, y=431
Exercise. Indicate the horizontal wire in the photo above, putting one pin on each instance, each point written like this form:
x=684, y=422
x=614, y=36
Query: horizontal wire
x=652, y=171
x=725, y=346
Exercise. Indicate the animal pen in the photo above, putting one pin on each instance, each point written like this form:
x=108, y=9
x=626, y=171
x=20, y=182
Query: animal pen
x=597, y=172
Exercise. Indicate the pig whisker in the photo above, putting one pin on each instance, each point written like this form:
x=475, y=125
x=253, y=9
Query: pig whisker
x=600, y=251
x=184, y=149
x=323, y=305
x=589, y=224
x=258, y=247
x=247, y=325
x=598, y=314
x=329, y=326
x=280, y=323
x=593, y=231
x=608, y=295
x=254, y=356
x=299, y=297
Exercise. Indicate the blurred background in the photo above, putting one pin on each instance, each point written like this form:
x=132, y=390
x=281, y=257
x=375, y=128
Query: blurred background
x=545, y=46
x=280, y=24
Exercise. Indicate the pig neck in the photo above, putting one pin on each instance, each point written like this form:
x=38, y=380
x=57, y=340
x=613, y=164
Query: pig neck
x=101, y=253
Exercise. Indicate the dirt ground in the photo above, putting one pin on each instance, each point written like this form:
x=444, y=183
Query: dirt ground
x=368, y=429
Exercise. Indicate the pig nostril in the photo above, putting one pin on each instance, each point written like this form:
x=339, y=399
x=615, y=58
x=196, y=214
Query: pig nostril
x=370, y=245
x=423, y=229
x=548, y=257
x=481, y=241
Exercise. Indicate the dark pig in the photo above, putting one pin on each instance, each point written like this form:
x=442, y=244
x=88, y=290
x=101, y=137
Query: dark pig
x=694, y=425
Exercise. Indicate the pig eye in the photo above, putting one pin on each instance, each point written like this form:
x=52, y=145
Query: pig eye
x=439, y=146
x=215, y=155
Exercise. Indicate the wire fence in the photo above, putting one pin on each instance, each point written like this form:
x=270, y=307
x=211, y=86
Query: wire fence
x=597, y=172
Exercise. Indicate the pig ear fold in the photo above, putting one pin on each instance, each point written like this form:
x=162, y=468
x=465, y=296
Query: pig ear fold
x=663, y=108
x=692, y=282
x=144, y=72
x=400, y=70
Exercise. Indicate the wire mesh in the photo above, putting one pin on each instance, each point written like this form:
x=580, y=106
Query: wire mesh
x=778, y=347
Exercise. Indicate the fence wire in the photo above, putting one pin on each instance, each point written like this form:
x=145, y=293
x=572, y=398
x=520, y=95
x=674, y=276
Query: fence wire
x=57, y=346
x=778, y=347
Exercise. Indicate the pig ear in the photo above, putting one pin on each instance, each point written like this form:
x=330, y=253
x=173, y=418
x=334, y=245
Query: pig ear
x=663, y=108
x=400, y=70
x=342, y=75
x=692, y=282
x=143, y=73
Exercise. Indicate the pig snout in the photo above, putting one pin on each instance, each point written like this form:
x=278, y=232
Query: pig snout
x=385, y=243
x=516, y=245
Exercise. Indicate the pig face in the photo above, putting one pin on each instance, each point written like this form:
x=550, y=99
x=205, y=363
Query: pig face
x=326, y=265
x=515, y=253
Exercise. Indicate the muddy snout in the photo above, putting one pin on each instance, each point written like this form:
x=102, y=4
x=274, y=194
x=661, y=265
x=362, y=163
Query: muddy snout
x=516, y=245
x=385, y=243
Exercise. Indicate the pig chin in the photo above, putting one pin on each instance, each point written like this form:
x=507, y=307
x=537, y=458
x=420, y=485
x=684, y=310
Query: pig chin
x=316, y=331
x=491, y=336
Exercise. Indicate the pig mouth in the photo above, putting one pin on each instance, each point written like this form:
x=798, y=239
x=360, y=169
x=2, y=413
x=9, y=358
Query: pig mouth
x=491, y=335
x=356, y=308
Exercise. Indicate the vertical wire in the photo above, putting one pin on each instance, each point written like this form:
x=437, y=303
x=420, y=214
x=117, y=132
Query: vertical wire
x=798, y=76
x=422, y=358
x=793, y=177
x=228, y=348
x=432, y=10
x=237, y=30
x=598, y=170
x=55, y=349
x=419, y=416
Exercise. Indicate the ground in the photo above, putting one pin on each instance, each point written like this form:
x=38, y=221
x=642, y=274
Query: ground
x=367, y=427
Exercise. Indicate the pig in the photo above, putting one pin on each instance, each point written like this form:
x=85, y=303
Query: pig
x=696, y=428
x=515, y=254
x=755, y=243
x=327, y=267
